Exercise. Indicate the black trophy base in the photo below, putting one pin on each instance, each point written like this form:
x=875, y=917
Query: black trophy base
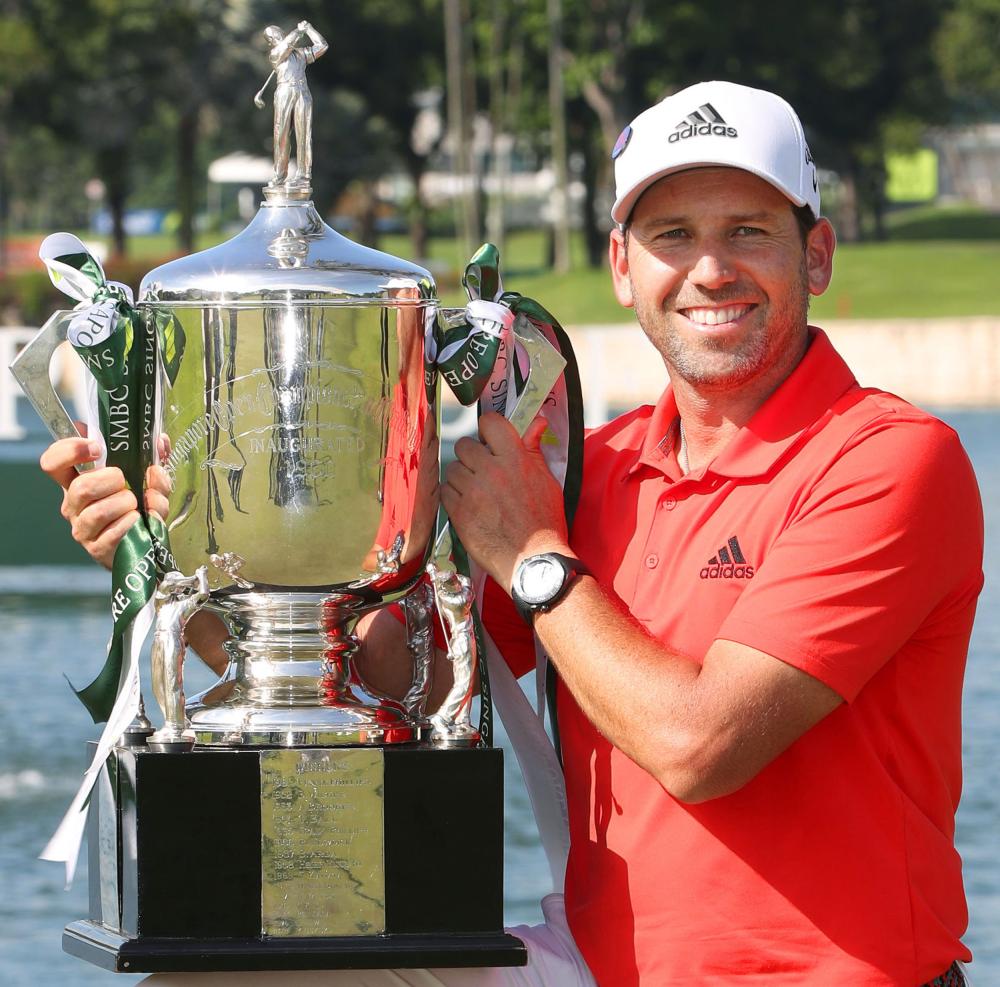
x=106, y=949
x=254, y=859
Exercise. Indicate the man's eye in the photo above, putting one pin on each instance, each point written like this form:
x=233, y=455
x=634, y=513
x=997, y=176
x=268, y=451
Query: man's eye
x=674, y=234
x=748, y=230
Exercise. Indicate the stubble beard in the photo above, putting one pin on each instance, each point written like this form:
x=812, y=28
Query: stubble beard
x=714, y=361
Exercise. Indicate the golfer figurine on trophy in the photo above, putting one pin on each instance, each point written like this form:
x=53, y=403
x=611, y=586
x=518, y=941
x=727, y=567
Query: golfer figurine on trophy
x=292, y=101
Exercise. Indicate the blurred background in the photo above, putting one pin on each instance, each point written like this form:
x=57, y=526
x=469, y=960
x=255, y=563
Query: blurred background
x=439, y=124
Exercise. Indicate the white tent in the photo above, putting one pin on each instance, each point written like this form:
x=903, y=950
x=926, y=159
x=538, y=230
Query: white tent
x=247, y=170
x=241, y=168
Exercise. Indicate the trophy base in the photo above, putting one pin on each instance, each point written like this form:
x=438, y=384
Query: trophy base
x=237, y=724
x=101, y=947
x=359, y=857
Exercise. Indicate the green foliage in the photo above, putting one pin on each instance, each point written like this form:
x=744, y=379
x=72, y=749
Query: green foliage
x=145, y=93
x=967, y=54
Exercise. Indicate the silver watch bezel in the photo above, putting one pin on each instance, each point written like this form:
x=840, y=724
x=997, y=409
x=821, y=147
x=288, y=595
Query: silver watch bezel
x=548, y=560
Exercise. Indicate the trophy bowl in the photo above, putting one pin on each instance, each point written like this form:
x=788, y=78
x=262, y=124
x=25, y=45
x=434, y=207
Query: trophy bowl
x=300, y=438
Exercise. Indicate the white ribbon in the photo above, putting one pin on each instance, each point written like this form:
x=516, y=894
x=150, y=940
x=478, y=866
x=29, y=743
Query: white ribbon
x=543, y=775
x=488, y=317
x=64, y=844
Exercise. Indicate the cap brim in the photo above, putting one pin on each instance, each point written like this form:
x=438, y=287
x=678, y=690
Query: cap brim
x=623, y=207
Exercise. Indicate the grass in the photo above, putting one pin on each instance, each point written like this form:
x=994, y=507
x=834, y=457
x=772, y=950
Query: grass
x=940, y=261
x=913, y=279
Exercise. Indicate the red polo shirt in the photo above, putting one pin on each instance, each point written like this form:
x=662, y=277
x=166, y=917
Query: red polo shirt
x=839, y=531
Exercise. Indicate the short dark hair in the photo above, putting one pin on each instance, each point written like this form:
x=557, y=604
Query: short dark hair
x=806, y=219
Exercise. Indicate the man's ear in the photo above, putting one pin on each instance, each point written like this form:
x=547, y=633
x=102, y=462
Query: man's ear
x=618, y=258
x=821, y=242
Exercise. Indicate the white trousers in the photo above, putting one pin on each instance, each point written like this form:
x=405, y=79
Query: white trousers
x=553, y=961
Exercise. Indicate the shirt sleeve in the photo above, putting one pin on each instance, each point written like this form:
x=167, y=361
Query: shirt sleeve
x=884, y=545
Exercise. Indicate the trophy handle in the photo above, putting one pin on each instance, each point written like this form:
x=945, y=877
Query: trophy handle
x=453, y=596
x=31, y=370
x=178, y=597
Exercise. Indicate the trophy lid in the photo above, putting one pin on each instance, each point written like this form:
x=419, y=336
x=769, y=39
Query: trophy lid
x=287, y=253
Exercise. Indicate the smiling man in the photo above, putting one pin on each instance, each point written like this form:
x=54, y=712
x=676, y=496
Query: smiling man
x=759, y=619
x=761, y=615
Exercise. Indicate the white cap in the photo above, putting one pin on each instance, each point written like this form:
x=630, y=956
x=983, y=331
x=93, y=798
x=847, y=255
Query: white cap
x=715, y=123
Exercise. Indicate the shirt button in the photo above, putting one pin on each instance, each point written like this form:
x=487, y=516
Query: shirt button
x=669, y=504
x=652, y=561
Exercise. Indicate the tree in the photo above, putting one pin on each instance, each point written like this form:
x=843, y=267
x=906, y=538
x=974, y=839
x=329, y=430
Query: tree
x=966, y=49
x=384, y=53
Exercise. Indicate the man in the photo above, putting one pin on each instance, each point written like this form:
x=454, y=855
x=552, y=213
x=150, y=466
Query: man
x=761, y=615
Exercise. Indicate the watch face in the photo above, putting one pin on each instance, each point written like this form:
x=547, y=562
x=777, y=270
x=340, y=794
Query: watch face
x=539, y=579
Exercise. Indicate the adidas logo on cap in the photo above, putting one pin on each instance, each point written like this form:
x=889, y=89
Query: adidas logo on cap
x=728, y=563
x=704, y=122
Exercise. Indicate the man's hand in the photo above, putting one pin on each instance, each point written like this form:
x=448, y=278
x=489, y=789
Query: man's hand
x=503, y=500
x=98, y=505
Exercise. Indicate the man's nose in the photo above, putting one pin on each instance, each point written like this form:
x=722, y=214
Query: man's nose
x=712, y=268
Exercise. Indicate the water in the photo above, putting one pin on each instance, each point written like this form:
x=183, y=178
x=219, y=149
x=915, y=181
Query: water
x=43, y=729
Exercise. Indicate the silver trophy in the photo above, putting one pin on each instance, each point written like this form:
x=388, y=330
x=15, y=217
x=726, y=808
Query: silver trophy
x=298, y=425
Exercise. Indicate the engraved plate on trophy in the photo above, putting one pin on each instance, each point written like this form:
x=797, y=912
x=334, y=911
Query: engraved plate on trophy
x=322, y=865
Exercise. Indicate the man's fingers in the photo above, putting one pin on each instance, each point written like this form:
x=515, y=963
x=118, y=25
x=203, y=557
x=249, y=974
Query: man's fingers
x=61, y=458
x=497, y=433
x=471, y=453
x=157, y=494
x=87, y=488
x=163, y=448
x=103, y=547
x=156, y=504
x=458, y=476
x=90, y=523
x=533, y=434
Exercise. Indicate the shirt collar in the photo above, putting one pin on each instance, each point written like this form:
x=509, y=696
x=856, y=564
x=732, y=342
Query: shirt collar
x=803, y=397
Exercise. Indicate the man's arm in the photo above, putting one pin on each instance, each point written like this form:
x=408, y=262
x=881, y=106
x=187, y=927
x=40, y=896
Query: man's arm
x=701, y=728
x=287, y=44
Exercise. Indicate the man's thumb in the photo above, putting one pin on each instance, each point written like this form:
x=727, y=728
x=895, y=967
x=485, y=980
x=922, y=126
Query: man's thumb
x=534, y=432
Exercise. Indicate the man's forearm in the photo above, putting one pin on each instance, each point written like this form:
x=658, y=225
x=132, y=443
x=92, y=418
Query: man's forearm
x=319, y=45
x=701, y=728
x=637, y=693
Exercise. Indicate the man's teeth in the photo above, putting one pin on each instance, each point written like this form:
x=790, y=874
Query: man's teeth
x=716, y=316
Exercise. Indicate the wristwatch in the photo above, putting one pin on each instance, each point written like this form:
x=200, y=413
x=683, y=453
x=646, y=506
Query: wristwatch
x=541, y=580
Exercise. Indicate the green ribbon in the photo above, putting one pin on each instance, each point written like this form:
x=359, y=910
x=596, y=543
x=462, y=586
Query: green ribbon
x=466, y=353
x=123, y=361
x=466, y=356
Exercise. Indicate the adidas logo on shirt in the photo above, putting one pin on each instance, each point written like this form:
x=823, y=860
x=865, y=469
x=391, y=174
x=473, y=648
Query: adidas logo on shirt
x=705, y=121
x=729, y=563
